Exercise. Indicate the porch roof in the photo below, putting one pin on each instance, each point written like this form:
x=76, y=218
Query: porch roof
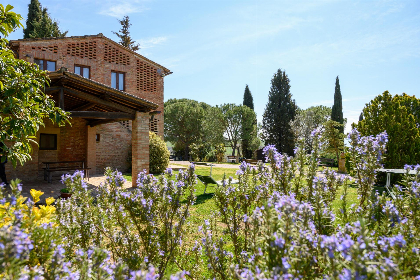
x=94, y=101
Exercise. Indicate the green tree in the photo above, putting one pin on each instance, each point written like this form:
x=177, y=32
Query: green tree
x=184, y=123
x=39, y=23
x=247, y=130
x=399, y=116
x=248, y=100
x=334, y=138
x=307, y=121
x=23, y=104
x=213, y=129
x=34, y=16
x=278, y=114
x=124, y=35
x=233, y=119
x=337, y=108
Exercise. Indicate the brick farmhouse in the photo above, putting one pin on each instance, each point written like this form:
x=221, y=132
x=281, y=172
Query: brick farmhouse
x=114, y=96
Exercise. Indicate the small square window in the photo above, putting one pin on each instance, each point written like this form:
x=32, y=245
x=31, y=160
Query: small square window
x=48, y=141
x=98, y=137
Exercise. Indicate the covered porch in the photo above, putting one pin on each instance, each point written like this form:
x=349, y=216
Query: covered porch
x=93, y=108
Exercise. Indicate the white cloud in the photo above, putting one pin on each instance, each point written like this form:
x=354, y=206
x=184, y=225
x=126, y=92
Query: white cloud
x=152, y=42
x=119, y=9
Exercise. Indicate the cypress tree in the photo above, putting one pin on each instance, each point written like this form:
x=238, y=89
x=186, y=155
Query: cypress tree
x=337, y=108
x=248, y=100
x=124, y=35
x=247, y=130
x=39, y=23
x=279, y=112
x=34, y=16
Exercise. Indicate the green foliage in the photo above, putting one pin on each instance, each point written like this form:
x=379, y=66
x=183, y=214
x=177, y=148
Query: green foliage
x=399, y=116
x=248, y=100
x=213, y=129
x=307, y=121
x=238, y=123
x=124, y=35
x=23, y=104
x=279, y=112
x=140, y=226
x=337, y=109
x=189, y=122
x=220, y=151
x=334, y=138
x=281, y=220
x=184, y=120
x=348, y=164
x=34, y=16
x=39, y=23
x=200, y=151
x=250, y=141
x=158, y=154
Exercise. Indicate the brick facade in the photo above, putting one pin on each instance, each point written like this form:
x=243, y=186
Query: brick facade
x=143, y=78
x=140, y=145
x=113, y=148
x=71, y=140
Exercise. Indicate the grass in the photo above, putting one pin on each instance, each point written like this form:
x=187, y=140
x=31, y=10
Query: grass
x=205, y=206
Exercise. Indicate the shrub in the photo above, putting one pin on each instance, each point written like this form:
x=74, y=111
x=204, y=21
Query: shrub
x=139, y=227
x=399, y=116
x=278, y=222
x=158, y=153
x=220, y=151
x=200, y=152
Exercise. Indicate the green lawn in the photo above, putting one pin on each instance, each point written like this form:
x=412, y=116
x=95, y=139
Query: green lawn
x=205, y=206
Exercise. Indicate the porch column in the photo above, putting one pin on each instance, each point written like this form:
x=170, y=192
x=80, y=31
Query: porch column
x=91, y=149
x=140, y=145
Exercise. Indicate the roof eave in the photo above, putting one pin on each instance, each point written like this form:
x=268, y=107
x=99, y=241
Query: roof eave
x=149, y=106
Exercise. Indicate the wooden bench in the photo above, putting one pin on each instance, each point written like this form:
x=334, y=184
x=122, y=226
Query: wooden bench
x=326, y=162
x=231, y=158
x=60, y=166
x=252, y=161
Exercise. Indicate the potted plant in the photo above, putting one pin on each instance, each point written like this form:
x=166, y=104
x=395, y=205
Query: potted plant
x=65, y=193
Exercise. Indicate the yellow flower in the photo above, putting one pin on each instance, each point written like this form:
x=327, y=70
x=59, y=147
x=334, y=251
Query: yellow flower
x=36, y=194
x=49, y=201
x=37, y=213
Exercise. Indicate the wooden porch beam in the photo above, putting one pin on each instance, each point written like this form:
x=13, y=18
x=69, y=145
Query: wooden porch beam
x=84, y=107
x=61, y=99
x=50, y=89
x=93, y=123
x=101, y=115
x=98, y=100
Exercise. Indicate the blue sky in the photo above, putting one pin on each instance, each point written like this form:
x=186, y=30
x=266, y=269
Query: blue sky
x=216, y=47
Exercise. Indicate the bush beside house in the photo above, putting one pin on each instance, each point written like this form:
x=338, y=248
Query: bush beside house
x=158, y=153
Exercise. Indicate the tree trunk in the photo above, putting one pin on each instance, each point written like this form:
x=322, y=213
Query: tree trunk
x=186, y=153
x=337, y=155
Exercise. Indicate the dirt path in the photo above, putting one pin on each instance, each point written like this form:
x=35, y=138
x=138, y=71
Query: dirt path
x=187, y=163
